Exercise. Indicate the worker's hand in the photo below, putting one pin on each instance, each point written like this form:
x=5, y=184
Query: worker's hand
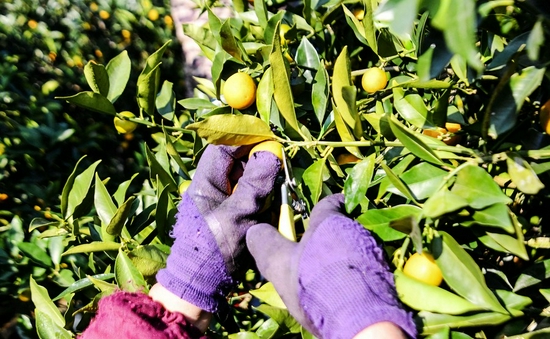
x=335, y=281
x=212, y=223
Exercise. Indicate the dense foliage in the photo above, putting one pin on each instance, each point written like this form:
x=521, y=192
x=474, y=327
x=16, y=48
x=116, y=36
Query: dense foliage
x=450, y=157
x=44, y=46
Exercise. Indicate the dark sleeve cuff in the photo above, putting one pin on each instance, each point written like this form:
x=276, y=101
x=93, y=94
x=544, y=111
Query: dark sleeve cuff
x=127, y=315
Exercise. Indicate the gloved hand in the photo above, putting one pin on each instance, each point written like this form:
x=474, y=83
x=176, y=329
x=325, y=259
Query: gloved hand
x=335, y=281
x=212, y=222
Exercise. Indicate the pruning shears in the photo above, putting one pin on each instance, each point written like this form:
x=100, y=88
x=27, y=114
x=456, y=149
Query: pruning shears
x=290, y=203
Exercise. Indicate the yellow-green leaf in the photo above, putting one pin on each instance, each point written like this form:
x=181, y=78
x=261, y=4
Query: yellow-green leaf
x=227, y=129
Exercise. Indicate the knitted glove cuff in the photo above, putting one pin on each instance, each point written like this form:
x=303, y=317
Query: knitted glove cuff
x=195, y=270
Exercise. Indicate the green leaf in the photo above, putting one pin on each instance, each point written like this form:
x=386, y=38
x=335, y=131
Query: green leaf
x=55, y=248
x=261, y=13
x=358, y=181
x=163, y=206
x=510, y=100
x=120, y=193
x=342, y=91
x=320, y=94
x=423, y=297
x=147, y=87
x=95, y=246
x=243, y=335
x=433, y=322
x=462, y=274
x=533, y=275
x=104, y=205
x=67, y=189
x=268, y=295
x=79, y=189
x=501, y=59
x=443, y=202
x=432, y=61
x=47, y=328
x=114, y=227
x=307, y=56
x=158, y=173
x=460, y=67
x=228, y=129
x=82, y=284
x=523, y=175
x=378, y=220
x=422, y=180
x=479, y=189
x=345, y=133
x=149, y=259
x=398, y=15
x=412, y=108
x=92, y=101
x=118, y=70
x=269, y=327
x=538, y=334
x=166, y=101
x=398, y=183
x=44, y=304
x=128, y=277
x=97, y=78
x=458, y=21
x=496, y=215
x=229, y=44
x=535, y=40
x=105, y=287
x=545, y=293
x=356, y=25
x=264, y=96
x=282, y=92
x=36, y=254
x=197, y=103
x=282, y=317
x=313, y=178
x=412, y=142
x=513, y=301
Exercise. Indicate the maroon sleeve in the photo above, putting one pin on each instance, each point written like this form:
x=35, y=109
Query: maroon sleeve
x=125, y=315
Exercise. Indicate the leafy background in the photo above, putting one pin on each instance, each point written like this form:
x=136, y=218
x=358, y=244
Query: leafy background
x=474, y=196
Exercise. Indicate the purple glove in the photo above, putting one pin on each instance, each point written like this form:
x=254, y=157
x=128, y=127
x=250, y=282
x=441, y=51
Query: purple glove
x=335, y=281
x=212, y=222
x=135, y=315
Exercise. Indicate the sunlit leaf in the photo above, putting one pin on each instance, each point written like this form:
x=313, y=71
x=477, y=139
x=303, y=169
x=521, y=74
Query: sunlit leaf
x=523, y=175
x=443, y=202
x=97, y=78
x=463, y=275
x=92, y=101
x=44, y=304
x=80, y=188
x=358, y=181
x=313, y=178
x=510, y=100
x=128, y=277
x=281, y=84
x=378, y=220
x=166, y=101
x=269, y=295
x=232, y=129
x=412, y=142
x=118, y=70
x=533, y=275
x=477, y=186
x=423, y=297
